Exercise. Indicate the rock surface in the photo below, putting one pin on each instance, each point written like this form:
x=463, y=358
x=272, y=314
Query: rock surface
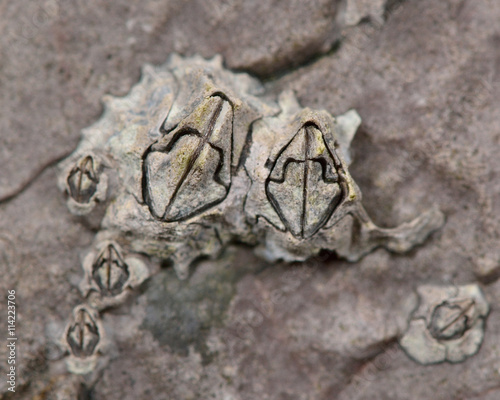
x=425, y=78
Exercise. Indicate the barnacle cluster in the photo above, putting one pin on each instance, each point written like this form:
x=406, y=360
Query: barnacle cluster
x=448, y=324
x=196, y=157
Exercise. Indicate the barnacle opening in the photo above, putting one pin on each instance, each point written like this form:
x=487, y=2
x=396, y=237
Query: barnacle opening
x=83, y=335
x=305, y=184
x=110, y=272
x=189, y=170
x=451, y=319
x=83, y=180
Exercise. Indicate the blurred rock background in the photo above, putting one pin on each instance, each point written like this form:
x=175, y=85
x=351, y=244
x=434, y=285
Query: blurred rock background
x=425, y=78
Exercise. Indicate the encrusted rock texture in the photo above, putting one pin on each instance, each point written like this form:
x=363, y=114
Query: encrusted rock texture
x=425, y=78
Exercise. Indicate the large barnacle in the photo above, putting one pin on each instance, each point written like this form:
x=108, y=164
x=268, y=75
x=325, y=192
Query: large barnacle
x=306, y=185
x=189, y=169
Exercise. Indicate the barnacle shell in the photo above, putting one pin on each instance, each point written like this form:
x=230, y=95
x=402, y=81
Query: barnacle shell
x=83, y=334
x=305, y=184
x=189, y=169
x=84, y=338
x=110, y=274
x=84, y=182
x=448, y=324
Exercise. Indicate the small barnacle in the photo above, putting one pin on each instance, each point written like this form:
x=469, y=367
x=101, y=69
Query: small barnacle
x=189, y=169
x=305, y=184
x=83, y=180
x=110, y=272
x=86, y=342
x=451, y=319
x=82, y=334
x=448, y=324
